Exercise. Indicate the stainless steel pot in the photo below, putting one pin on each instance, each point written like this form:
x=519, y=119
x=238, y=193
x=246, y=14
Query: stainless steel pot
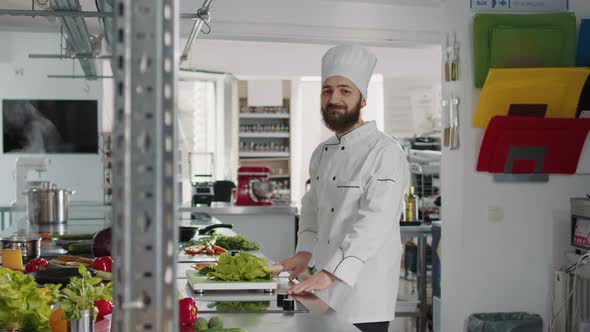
x=30, y=247
x=48, y=205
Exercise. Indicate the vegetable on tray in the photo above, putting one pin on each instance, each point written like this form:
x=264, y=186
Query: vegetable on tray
x=36, y=265
x=239, y=306
x=241, y=267
x=204, y=268
x=210, y=249
x=236, y=243
x=205, y=240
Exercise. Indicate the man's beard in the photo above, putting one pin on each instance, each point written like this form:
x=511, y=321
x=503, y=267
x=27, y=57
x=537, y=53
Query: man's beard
x=340, y=122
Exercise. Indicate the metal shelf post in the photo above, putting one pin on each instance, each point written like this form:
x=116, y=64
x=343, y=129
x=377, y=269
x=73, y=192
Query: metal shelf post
x=144, y=232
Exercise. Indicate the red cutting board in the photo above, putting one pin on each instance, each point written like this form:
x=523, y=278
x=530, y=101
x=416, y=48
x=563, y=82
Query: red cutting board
x=563, y=140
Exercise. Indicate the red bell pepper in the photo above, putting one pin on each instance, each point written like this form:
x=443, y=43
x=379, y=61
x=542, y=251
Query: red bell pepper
x=36, y=265
x=104, y=308
x=188, y=311
x=104, y=263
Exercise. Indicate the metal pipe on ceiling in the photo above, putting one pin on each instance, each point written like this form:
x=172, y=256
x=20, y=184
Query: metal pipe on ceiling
x=62, y=56
x=107, y=6
x=61, y=13
x=86, y=77
x=77, y=33
x=55, y=13
x=202, y=18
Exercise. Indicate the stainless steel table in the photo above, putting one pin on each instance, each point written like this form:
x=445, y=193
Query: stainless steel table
x=217, y=209
x=319, y=318
x=421, y=232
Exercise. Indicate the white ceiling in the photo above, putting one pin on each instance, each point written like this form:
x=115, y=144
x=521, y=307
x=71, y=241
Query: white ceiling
x=287, y=38
x=249, y=60
x=388, y=23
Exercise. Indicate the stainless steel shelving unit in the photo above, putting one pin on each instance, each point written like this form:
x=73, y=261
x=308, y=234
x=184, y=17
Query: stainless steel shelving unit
x=145, y=69
x=421, y=232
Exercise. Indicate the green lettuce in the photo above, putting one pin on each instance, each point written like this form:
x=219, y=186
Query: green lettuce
x=235, y=242
x=22, y=305
x=242, y=267
x=237, y=306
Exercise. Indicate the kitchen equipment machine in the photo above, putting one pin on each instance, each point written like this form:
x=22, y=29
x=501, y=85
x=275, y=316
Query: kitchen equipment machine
x=254, y=187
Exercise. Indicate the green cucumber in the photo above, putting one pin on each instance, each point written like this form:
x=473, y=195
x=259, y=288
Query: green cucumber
x=87, y=236
x=78, y=248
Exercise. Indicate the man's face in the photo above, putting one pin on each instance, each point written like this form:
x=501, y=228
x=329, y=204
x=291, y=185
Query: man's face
x=341, y=103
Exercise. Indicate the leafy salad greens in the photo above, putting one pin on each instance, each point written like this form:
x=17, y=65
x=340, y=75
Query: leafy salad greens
x=22, y=305
x=242, y=267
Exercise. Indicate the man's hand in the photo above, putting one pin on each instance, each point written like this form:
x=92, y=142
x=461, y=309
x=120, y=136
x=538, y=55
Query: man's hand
x=296, y=264
x=318, y=281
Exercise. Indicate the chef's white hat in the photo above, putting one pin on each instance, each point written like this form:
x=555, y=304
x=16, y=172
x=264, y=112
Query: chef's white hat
x=353, y=62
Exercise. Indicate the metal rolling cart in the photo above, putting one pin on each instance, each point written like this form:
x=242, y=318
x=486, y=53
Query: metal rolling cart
x=421, y=232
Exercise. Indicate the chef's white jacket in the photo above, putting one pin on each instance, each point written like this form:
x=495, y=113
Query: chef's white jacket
x=350, y=221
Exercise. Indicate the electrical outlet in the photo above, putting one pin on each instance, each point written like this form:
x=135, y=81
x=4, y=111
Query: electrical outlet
x=495, y=214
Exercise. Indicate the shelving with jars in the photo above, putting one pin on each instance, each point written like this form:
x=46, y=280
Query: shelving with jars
x=264, y=139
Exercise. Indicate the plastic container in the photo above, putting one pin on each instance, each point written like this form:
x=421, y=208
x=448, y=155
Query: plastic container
x=505, y=322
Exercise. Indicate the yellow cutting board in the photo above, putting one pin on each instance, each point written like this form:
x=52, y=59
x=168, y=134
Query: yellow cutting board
x=558, y=88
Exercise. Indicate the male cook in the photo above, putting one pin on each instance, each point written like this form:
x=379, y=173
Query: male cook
x=350, y=216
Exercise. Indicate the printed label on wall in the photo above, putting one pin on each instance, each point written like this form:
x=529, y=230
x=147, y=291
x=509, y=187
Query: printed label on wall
x=519, y=5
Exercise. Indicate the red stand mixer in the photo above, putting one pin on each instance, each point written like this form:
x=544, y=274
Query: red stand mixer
x=253, y=186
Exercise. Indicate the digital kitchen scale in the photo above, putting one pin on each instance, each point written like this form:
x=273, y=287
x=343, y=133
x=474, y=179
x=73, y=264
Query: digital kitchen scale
x=201, y=283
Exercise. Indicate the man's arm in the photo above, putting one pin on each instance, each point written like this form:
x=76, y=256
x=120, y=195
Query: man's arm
x=308, y=228
x=379, y=206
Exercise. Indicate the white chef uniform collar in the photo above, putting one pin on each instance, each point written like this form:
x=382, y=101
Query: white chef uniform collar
x=359, y=133
x=351, y=61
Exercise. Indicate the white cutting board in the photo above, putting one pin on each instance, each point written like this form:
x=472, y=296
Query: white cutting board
x=184, y=257
x=202, y=283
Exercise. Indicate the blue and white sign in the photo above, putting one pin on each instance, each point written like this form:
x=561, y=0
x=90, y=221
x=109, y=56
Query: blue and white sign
x=519, y=5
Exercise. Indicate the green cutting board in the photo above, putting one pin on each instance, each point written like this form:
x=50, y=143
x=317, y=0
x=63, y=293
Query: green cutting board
x=522, y=40
x=202, y=283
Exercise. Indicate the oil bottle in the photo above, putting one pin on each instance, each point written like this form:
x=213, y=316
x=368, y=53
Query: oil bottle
x=411, y=206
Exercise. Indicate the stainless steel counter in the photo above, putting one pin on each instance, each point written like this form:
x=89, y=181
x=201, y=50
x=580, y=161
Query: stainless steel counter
x=319, y=318
x=242, y=210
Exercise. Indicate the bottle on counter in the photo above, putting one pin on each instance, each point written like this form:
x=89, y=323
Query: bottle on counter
x=411, y=206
